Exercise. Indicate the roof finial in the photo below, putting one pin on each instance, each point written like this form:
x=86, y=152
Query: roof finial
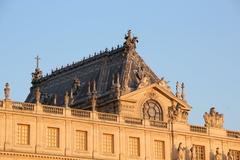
x=130, y=43
x=183, y=92
x=177, y=90
x=38, y=73
x=37, y=61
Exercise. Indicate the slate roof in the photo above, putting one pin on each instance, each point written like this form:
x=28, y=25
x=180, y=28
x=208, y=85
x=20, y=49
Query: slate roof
x=101, y=68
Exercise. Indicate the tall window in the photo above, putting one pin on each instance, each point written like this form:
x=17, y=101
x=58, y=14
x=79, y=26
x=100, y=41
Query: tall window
x=236, y=154
x=159, y=149
x=152, y=110
x=81, y=140
x=23, y=133
x=200, y=152
x=53, y=137
x=108, y=143
x=134, y=146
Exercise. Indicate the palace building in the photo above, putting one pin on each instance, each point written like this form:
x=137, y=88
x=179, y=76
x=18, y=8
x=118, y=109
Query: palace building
x=110, y=106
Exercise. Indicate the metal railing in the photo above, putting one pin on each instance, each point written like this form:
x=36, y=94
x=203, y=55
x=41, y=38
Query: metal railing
x=233, y=134
x=80, y=113
x=107, y=117
x=136, y=121
x=159, y=124
x=52, y=109
x=198, y=129
x=23, y=106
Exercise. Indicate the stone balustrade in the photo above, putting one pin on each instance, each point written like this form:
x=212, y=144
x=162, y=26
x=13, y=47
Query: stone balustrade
x=198, y=129
x=80, y=113
x=159, y=124
x=134, y=121
x=52, y=109
x=108, y=117
x=233, y=134
x=23, y=106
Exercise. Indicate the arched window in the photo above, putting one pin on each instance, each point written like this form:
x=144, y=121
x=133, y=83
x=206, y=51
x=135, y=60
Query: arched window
x=152, y=110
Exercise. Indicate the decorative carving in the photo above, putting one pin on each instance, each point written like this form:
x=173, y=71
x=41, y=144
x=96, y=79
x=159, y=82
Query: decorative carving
x=163, y=83
x=37, y=94
x=76, y=86
x=130, y=43
x=229, y=156
x=181, y=151
x=141, y=77
x=213, y=119
x=7, y=91
x=218, y=155
x=152, y=110
x=176, y=113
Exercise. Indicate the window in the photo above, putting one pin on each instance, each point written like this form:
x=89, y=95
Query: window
x=159, y=149
x=200, y=152
x=108, y=143
x=53, y=137
x=134, y=146
x=23, y=132
x=235, y=154
x=152, y=110
x=81, y=140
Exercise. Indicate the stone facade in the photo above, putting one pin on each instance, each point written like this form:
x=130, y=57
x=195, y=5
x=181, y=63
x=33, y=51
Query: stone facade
x=125, y=114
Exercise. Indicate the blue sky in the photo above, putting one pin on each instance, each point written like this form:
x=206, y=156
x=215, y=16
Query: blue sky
x=197, y=42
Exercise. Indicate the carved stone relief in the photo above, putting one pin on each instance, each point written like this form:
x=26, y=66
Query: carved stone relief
x=176, y=113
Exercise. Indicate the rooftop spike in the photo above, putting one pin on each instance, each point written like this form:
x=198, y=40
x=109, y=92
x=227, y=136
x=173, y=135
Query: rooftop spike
x=183, y=92
x=177, y=90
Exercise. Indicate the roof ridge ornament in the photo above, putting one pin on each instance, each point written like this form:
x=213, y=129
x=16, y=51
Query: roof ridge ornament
x=38, y=73
x=130, y=43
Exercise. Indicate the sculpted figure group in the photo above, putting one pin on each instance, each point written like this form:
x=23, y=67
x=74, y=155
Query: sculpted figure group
x=213, y=119
x=193, y=154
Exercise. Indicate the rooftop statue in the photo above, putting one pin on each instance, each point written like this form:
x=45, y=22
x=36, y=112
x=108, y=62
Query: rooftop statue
x=213, y=119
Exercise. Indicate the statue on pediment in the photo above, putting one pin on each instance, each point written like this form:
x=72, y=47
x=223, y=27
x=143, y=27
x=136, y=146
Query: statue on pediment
x=213, y=119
